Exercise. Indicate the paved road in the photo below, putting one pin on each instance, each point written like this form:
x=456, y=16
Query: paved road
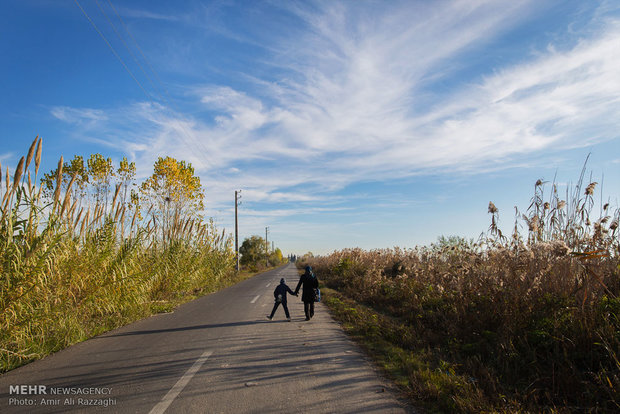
x=216, y=354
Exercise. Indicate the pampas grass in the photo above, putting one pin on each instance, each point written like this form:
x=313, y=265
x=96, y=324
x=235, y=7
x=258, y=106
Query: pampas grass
x=68, y=273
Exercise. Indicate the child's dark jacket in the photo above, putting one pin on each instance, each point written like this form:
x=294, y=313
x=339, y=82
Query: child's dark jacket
x=281, y=289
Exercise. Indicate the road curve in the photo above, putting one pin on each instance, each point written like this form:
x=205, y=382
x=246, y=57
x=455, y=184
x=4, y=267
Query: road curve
x=216, y=354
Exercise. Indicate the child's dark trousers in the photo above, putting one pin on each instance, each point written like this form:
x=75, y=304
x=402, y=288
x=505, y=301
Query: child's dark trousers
x=275, y=306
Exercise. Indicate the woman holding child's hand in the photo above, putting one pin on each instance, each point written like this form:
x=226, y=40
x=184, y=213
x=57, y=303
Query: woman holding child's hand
x=310, y=283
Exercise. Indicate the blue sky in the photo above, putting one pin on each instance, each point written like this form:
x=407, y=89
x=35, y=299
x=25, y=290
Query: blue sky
x=345, y=124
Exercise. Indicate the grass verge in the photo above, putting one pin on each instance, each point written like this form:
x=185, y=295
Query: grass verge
x=422, y=374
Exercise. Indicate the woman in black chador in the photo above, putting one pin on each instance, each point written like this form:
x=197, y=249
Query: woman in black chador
x=309, y=282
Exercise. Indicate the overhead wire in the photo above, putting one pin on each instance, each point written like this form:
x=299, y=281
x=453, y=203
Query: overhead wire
x=122, y=39
x=166, y=96
x=112, y=49
x=181, y=124
x=135, y=42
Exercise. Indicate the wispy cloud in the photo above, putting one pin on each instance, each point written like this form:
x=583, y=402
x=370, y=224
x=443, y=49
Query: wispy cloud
x=3, y=159
x=145, y=14
x=291, y=211
x=86, y=117
x=359, y=102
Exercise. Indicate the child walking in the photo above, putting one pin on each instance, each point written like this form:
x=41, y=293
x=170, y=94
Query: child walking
x=280, y=298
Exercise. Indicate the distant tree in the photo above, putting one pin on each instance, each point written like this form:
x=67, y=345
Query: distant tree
x=69, y=168
x=100, y=173
x=453, y=244
x=276, y=258
x=252, y=251
x=173, y=194
x=126, y=172
x=93, y=180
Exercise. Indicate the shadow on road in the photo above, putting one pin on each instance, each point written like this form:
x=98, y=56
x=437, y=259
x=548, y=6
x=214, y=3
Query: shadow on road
x=186, y=328
x=256, y=365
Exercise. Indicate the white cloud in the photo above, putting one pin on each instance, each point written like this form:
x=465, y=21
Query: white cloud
x=356, y=106
x=6, y=156
x=79, y=116
x=145, y=14
x=354, y=101
x=243, y=112
x=290, y=211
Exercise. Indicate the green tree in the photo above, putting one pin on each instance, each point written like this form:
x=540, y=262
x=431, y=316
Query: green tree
x=100, y=173
x=173, y=194
x=453, y=244
x=75, y=166
x=276, y=258
x=252, y=251
x=126, y=172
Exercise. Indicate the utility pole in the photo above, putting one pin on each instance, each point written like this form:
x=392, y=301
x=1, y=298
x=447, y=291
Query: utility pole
x=266, y=248
x=237, y=229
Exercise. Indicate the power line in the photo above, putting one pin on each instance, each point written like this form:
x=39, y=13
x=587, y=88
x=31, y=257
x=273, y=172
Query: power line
x=166, y=96
x=149, y=96
x=185, y=136
x=122, y=39
x=112, y=49
x=148, y=64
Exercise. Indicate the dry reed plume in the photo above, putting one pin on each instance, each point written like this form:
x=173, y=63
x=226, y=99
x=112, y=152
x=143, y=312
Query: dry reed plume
x=73, y=265
x=531, y=321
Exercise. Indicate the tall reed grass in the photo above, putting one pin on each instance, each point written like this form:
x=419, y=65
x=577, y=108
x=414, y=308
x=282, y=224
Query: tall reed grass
x=71, y=269
x=531, y=321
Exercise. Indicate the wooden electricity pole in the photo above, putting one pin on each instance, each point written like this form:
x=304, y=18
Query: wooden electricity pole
x=266, y=248
x=236, y=230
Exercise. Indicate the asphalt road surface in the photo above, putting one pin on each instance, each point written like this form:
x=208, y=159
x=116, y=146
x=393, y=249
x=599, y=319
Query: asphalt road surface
x=216, y=354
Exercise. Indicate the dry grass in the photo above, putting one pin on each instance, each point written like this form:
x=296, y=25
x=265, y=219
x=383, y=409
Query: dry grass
x=71, y=269
x=532, y=322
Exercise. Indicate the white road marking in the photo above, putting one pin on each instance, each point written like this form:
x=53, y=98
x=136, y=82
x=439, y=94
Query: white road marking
x=161, y=407
x=268, y=284
x=255, y=299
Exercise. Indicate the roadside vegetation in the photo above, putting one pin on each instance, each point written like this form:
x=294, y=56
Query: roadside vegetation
x=89, y=249
x=522, y=323
x=256, y=255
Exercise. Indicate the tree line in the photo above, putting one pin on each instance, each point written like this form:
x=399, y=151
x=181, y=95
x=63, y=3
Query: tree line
x=256, y=254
